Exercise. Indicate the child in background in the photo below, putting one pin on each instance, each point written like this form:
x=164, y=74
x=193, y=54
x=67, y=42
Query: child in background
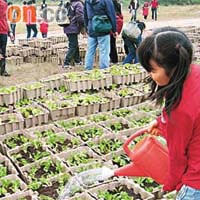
x=44, y=27
x=145, y=10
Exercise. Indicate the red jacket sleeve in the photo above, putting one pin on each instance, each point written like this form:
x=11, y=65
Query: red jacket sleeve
x=178, y=131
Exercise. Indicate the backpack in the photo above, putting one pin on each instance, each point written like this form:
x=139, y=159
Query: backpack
x=131, y=31
x=62, y=15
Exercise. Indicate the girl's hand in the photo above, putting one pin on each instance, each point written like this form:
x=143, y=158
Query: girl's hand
x=154, y=128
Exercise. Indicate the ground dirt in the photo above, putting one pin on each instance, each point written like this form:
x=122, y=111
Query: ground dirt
x=31, y=72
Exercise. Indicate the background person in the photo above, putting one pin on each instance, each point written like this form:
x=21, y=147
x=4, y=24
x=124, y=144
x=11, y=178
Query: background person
x=44, y=27
x=119, y=24
x=102, y=7
x=133, y=6
x=31, y=26
x=132, y=45
x=145, y=10
x=167, y=57
x=4, y=33
x=72, y=31
x=154, y=9
x=13, y=24
x=44, y=9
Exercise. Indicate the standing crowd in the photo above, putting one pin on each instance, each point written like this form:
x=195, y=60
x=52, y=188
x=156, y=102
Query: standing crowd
x=100, y=20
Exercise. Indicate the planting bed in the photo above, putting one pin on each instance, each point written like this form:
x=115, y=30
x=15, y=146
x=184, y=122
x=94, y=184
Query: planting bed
x=71, y=123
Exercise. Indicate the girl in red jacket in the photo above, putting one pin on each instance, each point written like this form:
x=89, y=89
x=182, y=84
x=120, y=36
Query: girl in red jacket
x=167, y=56
x=44, y=28
x=145, y=10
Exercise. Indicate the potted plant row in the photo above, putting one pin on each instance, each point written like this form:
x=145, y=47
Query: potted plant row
x=6, y=167
x=53, y=82
x=59, y=109
x=9, y=95
x=14, y=139
x=127, y=74
x=11, y=122
x=11, y=186
x=33, y=115
x=75, y=122
x=121, y=189
x=33, y=90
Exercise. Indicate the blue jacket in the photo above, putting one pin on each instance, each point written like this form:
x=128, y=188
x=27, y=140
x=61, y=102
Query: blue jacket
x=98, y=7
x=76, y=18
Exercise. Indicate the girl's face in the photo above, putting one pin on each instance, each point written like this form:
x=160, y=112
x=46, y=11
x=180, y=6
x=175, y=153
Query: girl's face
x=158, y=74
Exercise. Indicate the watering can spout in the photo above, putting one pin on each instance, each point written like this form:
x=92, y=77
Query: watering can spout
x=129, y=170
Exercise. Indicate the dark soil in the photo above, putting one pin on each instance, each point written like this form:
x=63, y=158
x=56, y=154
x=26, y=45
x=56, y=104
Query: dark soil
x=59, y=147
x=29, y=154
x=42, y=173
x=51, y=190
x=17, y=140
x=123, y=127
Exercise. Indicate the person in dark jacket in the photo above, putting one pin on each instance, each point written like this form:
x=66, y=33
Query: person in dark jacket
x=44, y=9
x=92, y=8
x=75, y=8
x=4, y=32
x=133, y=7
x=133, y=45
x=119, y=22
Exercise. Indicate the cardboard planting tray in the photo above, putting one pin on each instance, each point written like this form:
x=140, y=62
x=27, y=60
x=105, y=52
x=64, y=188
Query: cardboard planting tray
x=10, y=98
x=95, y=144
x=55, y=185
x=68, y=139
x=140, y=120
x=53, y=82
x=131, y=186
x=130, y=100
x=102, y=83
x=26, y=169
x=11, y=122
x=123, y=79
x=33, y=93
x=100, y=117
x=39, y=119
x=17, y=150
x=29, y=195
x=7, y=163
x=123, y=112
x=72, y=123
x=78, y=85
x=126, y=125
x=4, y=148
x=87, y=127
x=41, y=129
x=23, y=187
x=60, y=113
x=89, y=109
x=6, y=109
x=113, y=103
x=149, y=108
x=110, y=158
x=66, y=155
x=82, y=196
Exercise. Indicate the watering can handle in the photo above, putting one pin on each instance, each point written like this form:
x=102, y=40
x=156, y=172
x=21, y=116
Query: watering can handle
x=131, y=138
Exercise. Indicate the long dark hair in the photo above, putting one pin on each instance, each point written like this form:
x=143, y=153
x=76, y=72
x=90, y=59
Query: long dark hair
x=171, y=49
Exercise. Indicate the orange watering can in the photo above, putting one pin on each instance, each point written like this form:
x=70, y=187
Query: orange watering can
x=149, y=159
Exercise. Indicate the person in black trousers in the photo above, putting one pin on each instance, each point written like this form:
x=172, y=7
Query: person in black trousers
x=119, y=22
x=30, y=26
